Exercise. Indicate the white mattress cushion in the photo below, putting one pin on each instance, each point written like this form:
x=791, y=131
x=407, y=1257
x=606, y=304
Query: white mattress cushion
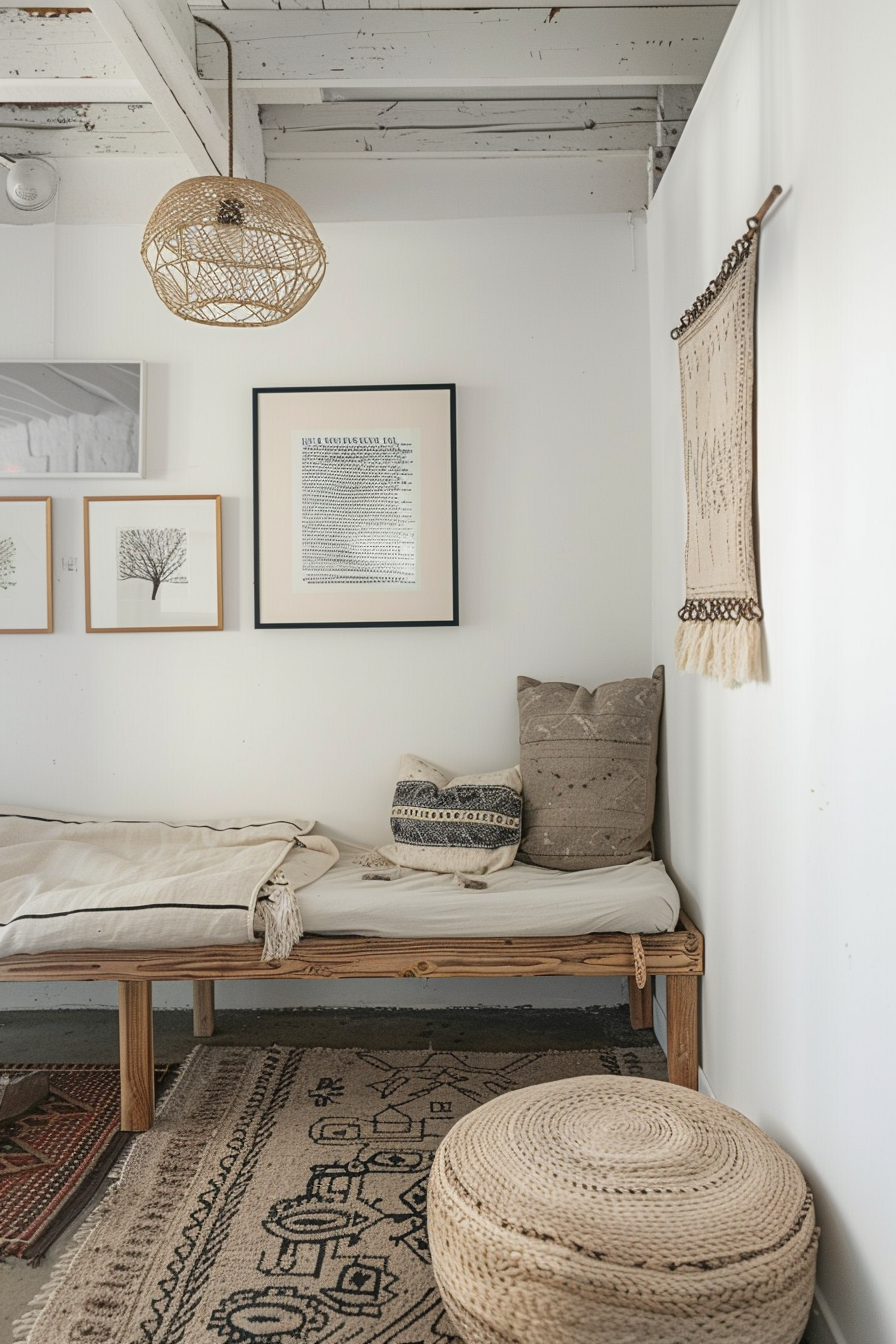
x=520, y=901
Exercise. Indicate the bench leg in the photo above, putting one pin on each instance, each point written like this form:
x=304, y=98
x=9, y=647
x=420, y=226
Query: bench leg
x=203, y=1007
x=640, y=1003
x=135, y=1050
x=681, y=1029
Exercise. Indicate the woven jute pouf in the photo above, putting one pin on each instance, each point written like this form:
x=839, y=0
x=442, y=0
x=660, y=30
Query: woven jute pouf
x=619, y=1211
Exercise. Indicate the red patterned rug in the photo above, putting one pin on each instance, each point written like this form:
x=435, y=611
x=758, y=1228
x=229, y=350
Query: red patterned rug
x=54, y=1159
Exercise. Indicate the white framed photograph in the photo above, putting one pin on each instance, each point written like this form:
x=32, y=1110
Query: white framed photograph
x=153, y=562
x=68, y=418
x=26, y=565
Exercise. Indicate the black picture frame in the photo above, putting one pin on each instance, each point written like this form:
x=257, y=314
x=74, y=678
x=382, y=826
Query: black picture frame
x=355, y=505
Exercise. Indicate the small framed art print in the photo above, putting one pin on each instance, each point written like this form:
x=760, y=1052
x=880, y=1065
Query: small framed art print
x=66, y=418
x=355, y=506
x=153, y=562
x=26, y=566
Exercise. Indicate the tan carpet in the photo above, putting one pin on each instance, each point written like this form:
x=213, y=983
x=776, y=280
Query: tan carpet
x=281, y=1197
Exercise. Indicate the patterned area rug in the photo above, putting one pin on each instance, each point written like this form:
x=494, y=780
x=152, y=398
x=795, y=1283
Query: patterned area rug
x=281, y=1197
x=54, y=1159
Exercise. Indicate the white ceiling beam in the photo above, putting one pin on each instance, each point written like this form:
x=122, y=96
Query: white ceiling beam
x=56, y=44
x=248, y=146
x=451, y=48
x=269, y=93
x=84, y=129
x=465, y=144
x=150, y=44
x=71, y=91
x=433, y=93
x=480, y=129
x=80, y=144
x=464, y=114
x=263, y=5
x=135, y=118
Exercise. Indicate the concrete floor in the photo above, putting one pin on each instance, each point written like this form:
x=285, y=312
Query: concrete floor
x=91, y=1036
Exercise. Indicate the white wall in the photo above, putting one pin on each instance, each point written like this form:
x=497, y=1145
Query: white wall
x=776, y=814
x=542, y=323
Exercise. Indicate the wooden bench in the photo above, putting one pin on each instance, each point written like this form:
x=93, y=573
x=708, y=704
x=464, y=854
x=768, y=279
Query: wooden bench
x=677, y=955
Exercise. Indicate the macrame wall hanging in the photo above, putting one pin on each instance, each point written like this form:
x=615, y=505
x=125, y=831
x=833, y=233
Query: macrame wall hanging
x=719, y=632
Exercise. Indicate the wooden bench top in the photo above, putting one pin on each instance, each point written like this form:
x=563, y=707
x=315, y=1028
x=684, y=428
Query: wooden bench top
x=324, y=958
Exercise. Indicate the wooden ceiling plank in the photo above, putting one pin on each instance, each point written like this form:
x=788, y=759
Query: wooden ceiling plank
x=465, y=47
x=470, y=143
x=80, y=143
x=131, y=119
x=61, y=45
x=71, y=90
x=540, y=113
x=209, y=7
x=277, y=93
x=675, y=104
x=248, y=146
x=148, y=41
x=405, y=5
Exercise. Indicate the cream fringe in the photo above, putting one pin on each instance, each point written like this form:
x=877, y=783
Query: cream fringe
x=728, y=650
x=22, y=1329
x=278, y=906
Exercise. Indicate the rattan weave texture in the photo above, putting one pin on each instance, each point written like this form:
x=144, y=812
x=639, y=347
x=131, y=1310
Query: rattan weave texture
x=228, y=251
x=619, y=1210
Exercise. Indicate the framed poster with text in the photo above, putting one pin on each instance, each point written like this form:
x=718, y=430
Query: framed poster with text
x=355, y=506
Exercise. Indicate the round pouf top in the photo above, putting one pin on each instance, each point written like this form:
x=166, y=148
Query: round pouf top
x=619, y=1211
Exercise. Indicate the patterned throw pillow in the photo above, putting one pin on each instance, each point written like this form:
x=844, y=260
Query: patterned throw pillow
x=471, y=824
x=588, y=762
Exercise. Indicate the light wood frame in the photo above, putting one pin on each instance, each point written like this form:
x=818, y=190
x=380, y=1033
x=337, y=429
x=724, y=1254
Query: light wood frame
x=46, y=627
x=100, y=518
x=677, y=955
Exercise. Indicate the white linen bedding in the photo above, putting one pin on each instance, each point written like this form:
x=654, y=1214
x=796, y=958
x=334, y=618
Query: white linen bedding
x=78, y=882
x=68, y=883
x=520, y=901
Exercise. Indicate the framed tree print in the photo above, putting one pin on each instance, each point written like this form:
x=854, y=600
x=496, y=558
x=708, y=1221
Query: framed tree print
x=355, y=506
x=26, y=566
x=153, y=562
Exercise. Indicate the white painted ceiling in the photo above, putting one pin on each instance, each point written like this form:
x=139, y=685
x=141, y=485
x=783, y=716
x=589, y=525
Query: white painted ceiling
x=590, y=93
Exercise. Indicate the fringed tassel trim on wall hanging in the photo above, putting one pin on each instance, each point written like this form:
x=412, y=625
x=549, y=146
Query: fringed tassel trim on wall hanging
x=730, y=650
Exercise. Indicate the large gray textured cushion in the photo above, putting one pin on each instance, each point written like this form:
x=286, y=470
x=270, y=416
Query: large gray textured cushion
x=588, y=761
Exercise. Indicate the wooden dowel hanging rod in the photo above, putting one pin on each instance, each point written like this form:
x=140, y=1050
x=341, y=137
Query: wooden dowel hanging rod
x=754, y=221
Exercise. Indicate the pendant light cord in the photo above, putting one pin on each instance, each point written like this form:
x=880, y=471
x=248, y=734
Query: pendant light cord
x=197, y=19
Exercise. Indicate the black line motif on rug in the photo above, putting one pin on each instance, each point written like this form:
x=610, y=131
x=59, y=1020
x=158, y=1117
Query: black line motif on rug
x=341, y=1256
x=322, y=1236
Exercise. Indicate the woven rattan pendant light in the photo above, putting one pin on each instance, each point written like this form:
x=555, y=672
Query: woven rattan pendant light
x=230, y=252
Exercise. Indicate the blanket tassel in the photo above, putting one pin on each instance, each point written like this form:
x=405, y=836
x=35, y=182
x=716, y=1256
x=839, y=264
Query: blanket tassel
x=731, y=651
x=279, y=909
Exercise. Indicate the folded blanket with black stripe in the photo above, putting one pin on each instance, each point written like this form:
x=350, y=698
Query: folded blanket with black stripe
x=79, y=882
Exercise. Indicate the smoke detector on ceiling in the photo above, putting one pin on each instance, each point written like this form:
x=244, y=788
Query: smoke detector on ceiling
x=30, y=183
